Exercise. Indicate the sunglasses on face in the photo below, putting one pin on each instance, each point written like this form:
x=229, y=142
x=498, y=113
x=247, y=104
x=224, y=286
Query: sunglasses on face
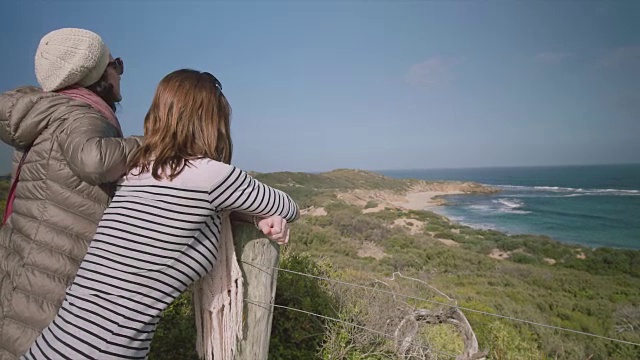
x=117, y=64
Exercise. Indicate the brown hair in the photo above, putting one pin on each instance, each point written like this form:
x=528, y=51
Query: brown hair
x=188, y=119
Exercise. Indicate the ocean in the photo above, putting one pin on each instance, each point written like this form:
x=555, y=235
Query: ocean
x=591, y=206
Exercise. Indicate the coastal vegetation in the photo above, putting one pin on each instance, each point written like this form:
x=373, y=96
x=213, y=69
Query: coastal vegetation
x=4, y=192
x=528, y=277
x=355, y=230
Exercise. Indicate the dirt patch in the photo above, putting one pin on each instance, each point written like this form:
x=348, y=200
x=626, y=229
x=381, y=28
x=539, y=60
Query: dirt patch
x=580, y=254
x=499, y=254
x=374, y=209
x=449, y=242
x=314, y=211
x=503, y=255
x=369, y=249
x=549, y=261
x=414, y=226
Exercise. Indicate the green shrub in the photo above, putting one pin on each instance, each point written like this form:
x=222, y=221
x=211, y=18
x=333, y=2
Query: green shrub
x=435, y=227
x=443, y=235
x=522, y=258
x=506, y=343
x=386, y=216
x=4, y=192
x=371, y=204
x=296, y=335
x=443, y=337
x=508, y=244
x=175, y=336
x=607, y=261
x=338, y=206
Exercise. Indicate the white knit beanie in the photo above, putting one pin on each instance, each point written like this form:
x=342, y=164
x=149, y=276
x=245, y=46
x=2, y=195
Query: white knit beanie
x=68, y=57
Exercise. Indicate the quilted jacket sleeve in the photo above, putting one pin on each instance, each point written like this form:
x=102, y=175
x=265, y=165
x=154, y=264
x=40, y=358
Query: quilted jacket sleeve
x=23, y=116
x=94, y=152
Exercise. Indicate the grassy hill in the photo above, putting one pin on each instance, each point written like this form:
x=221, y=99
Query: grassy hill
x=526, y=276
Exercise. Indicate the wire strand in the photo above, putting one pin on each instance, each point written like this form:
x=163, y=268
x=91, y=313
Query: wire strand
x=449, y=305
x=260, y=304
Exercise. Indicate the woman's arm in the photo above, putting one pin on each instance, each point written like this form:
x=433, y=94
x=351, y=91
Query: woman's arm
x=236, y=191
x=93, y=152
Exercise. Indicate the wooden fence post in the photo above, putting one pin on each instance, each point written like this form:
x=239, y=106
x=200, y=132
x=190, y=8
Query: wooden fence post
x=259, y=286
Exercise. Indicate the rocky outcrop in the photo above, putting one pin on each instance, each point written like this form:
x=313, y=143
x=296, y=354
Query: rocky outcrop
x=453, y=187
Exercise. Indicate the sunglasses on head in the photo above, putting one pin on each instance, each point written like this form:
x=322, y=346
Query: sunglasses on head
x=216, y=82
x=117, y=64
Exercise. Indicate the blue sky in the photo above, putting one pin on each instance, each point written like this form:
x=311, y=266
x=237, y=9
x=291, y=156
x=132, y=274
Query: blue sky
x=318, y=85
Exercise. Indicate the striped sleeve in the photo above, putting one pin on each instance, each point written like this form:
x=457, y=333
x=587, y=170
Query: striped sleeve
x=238, y=191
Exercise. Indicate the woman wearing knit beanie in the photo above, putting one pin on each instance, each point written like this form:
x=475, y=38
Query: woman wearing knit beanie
x=68, y=152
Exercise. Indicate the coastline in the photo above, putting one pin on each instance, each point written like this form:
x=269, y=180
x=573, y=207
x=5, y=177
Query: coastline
x=420, y=195
x=425, y=200
x=434, y=200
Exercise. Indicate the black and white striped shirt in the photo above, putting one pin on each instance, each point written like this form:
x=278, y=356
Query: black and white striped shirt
x=154, y=240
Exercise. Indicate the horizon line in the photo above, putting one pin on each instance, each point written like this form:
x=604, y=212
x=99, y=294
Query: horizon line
x=433, y=168
x=446, y=168
x=505, y=167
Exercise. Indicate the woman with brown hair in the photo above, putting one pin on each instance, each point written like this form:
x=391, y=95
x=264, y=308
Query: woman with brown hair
x=162, y=231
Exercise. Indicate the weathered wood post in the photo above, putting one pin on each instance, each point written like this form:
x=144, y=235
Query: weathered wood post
x=259, y=289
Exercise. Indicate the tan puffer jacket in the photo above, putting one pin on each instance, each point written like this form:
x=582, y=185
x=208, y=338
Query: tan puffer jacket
x=65, y=185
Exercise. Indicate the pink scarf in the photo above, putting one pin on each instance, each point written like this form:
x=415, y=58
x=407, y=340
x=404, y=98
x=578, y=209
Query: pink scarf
x=89, y=97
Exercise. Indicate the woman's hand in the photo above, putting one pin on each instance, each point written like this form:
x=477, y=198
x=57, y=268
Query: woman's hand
x=275, y=228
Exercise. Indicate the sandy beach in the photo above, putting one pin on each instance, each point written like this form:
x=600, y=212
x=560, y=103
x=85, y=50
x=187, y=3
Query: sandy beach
x=423, y=195
x=424, y=200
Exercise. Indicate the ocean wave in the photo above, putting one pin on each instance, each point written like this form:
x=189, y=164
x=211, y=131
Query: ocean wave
x=480, y=207
x=509, y=206
x=514, y=211
x=512, y=204
x=555, y=188
x=580, y=191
